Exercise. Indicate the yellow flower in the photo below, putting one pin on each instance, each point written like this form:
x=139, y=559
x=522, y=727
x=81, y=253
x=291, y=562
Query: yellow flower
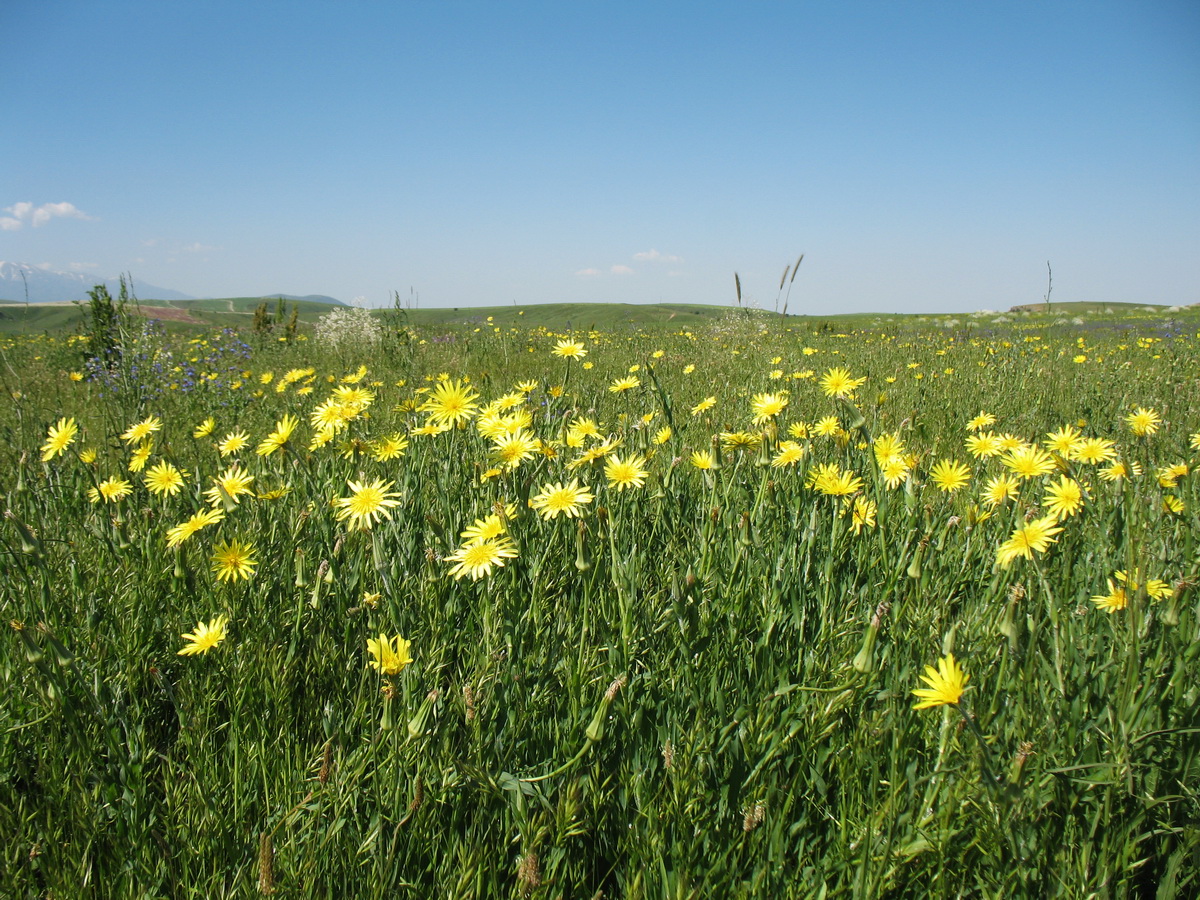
x=662, y=435
x=1156, y=589
x=177, y=534
x=1064, y=499
x=487, y=528
x=232, y=483
x=946, y=684
x=450, y=403
x=558, y=498
x=983, y=420
x=233, y=560
x=206, y=636
x=141, y=430
x=140, y=456
x=233, y=442
x=1000, y=489
x=706, y=404
x=863, y=514
x=279, y=438
x=950, y=475
x=1029, y=462
x=625, y=473
x=839, y=383
x=1143, y=422
x=205, y=428
x=830, y=480
x=367, y=503
x=624, y=384
x=767, y=406
x=164, y=479
x=388, y=448
x=790, y=453
x=1115, y=599
x=569, y=349
x=58, y=438
x=1064, y=442
x=703, y=459
x=111, y=490
x=1095, y=450
x=476, y=558
x=389, y=658
x=1027, y=540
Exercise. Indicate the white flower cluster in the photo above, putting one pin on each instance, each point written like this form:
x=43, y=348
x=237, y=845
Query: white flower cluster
x=349, y=328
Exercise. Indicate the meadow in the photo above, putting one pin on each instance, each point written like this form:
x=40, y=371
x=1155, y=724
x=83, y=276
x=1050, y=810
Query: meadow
x=721, y=606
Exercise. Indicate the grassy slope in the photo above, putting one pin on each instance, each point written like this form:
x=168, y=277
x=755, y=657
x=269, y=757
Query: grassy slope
x=19, y=318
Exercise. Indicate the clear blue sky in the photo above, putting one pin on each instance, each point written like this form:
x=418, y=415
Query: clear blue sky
x=925, y=156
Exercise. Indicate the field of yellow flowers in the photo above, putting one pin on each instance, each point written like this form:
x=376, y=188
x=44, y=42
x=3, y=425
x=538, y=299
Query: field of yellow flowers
x=749, y=610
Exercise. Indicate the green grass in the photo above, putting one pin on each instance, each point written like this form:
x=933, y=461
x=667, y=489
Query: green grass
x=701, y=687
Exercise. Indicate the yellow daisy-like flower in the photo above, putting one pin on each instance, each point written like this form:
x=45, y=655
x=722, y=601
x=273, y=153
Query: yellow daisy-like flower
x=229, y=485
x=1156, y=588
x=830, y=480
x=894, y=470
x=624, y=384
x=164, y=479
x=1034, y=537
x=704, y=405
x=1143, y=422
x=141, y=430
x=58, y=438
x=703, y=459
x=388, y=448
x=450, y=403
x=767, y=406
x=389, y=655
x=863, y=514
x=983, y=420
x=625, y=473
x=568, y=499
x=1029, y=462
x=790, y=453
x=140, y=456
x=827, y=426
x=205, y=428
x=476, y=558
x=740, y=440
x=513, y=449
x=946, y=684
x=177, y=534
x=838, y=382
x=950, y=475
x=110, y=490
x=1065, y=441
x=233, y=560
x=1063, y=499
x=206, y=636
x=367, y=503
x=233, y=442
x=1001, y=489
x=569, y=350
x=1116, y=599
x=984, y=445
x=662, y=435
x=1094, y=451
x=485, y=529
x=279, y=438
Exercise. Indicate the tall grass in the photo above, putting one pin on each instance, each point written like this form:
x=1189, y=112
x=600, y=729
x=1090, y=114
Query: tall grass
x=700, y=687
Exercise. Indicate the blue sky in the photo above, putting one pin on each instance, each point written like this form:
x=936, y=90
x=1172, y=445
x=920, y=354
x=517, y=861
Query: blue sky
x=924, y=156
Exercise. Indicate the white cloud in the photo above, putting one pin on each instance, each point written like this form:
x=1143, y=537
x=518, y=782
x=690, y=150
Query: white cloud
x=621, y=270
x=78, y=266
x=24, y=211
x=653, y=255
x=198, y=247
x=588, y=273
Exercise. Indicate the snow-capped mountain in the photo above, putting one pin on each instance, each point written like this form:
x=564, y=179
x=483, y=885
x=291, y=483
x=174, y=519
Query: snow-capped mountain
x=45, y=286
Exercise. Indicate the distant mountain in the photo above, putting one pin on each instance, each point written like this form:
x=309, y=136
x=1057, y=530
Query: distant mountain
x=60, y=287
x=311, y=298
